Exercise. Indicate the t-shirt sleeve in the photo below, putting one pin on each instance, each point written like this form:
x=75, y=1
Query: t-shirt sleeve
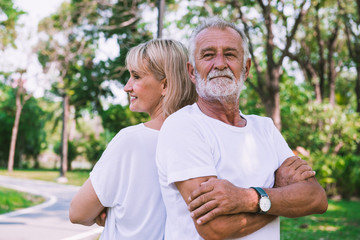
x=282, y=148
x=183, y=151
x=105, y=172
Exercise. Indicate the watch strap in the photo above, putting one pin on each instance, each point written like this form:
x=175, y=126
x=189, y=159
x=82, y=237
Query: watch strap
x=262, y=195
x=260, y=191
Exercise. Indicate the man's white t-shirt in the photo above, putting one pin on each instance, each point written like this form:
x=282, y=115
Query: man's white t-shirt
x=192, y=144
x=126, y=180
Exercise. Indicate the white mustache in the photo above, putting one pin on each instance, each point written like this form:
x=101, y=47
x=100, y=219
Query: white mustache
x=224, y=73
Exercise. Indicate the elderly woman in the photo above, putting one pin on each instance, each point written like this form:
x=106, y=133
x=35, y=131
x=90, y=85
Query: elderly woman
x=125, y=179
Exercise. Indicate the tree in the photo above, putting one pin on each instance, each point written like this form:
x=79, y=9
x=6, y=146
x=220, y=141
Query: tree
x=320, y=34
x=21, y=99
x=31, y=134
x=350, y=12
x=275, y=20
x=66, y=48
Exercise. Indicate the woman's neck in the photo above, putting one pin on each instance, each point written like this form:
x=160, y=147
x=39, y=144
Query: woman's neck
x=156, y=122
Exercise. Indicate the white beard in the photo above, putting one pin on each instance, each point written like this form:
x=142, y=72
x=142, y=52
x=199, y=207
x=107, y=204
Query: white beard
x=220, y=88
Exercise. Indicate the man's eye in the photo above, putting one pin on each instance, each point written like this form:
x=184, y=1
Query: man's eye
x=208, y=55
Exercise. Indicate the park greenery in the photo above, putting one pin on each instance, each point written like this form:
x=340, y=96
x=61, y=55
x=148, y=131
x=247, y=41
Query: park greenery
x=305, y=75
x=11, y=200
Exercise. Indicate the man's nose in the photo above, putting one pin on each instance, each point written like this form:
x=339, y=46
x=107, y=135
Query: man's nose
x=220, y=62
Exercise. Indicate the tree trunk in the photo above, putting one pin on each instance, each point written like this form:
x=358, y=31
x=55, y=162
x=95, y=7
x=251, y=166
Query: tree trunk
x=357, y=89
x=272, y=103
x=332, y=76
x=19, y=107
x=161, y=10
x=14, y=131
x=64, y=136
x=331, y=63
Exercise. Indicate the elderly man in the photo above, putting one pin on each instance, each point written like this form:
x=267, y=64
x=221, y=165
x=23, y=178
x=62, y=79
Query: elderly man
x=201, y=145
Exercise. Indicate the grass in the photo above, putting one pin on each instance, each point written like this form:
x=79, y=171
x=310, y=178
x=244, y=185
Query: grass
x=341, y=221
x=77, y=177
x=11, y=200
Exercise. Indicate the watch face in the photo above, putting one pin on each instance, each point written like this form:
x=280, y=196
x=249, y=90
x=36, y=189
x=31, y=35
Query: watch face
x=264, y=204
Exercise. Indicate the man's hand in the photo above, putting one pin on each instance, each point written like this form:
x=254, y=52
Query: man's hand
x=217, y=197
x=293, y=170
x=101, y=218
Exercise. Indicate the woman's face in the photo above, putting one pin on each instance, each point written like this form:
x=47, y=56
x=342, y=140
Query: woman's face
x=145, y=92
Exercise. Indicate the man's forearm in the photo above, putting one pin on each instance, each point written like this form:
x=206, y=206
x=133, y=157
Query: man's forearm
x=298, y=199
x=233, y=226
x=228, y=225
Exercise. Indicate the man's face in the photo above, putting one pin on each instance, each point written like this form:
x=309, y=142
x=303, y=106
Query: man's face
x=218, y=88
x=219, y=63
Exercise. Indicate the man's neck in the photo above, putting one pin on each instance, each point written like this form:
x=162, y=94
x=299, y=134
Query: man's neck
x=223, y=111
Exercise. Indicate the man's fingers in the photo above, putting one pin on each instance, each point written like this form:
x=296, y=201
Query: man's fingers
x=298, y=163
x=308, y=174
x=203, y=209
x=290, y=160
x=199, y=201
x=208, y=217
x=303, y=168
x=205, y=187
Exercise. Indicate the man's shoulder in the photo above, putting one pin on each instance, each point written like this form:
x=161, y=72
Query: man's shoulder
x=185, y=114
x=259, y=120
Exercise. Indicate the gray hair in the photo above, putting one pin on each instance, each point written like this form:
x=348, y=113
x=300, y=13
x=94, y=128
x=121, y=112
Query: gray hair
x=216, y=22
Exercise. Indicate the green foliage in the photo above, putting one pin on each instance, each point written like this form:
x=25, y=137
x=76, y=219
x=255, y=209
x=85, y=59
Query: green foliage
x=72, y=151
x=117, y=117
x=330, y=134
x=11, y=200
x=9, y=16
x=338, y=174
x=31, y=134
x=93, y=147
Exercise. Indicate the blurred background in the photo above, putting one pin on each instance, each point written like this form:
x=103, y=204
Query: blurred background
x=62, y=73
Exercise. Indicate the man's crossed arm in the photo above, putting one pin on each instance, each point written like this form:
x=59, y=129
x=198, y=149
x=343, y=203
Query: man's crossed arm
x=221, y=210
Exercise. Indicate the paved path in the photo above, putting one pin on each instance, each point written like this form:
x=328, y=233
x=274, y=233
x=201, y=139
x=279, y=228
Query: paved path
x=47, y=221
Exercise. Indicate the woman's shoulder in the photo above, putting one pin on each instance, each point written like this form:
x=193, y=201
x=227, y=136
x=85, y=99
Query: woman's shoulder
x=132, y=133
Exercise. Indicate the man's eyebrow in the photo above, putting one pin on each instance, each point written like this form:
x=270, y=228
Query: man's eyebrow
x=228, y=49
x=231, y=49
x=207, y=49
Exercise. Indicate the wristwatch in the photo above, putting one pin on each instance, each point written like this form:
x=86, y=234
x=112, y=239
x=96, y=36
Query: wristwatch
x=264, y=200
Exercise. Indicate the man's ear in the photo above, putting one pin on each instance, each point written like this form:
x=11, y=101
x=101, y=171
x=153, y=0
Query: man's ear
x=248, y=65
x=191, y=71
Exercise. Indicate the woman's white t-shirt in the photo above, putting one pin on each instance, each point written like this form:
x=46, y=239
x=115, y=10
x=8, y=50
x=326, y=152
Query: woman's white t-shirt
x=125, y=179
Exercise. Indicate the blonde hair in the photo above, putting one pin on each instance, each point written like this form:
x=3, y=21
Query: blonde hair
x=165, y=58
